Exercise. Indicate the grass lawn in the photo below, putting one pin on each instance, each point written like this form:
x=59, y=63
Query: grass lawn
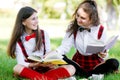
x=6, y=63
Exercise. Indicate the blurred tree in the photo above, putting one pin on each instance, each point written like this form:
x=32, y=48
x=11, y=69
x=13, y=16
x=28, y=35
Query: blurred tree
x=56, y=8
x=109, y=11
x=70, y=7
x=116, y=3
x=112, y=13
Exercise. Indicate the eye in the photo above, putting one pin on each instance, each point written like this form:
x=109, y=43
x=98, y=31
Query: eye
x=82, y=18
x=34, y=18
x=77, y=15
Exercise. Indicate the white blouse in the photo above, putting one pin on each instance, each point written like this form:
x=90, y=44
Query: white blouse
x=82, y=40
x=29, y=47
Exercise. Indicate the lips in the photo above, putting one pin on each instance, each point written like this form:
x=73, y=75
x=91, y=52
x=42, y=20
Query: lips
x=79, y=23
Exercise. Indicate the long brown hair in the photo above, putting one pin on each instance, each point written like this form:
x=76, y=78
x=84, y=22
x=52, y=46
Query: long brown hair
x=19, y=29
x=90, y=7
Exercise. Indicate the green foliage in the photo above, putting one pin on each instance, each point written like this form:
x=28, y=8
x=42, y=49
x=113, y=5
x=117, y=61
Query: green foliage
x=55, y=43
x=115, y=51
x=50, y=10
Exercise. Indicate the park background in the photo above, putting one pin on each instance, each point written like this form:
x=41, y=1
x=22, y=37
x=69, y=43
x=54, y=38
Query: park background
x=54, y=17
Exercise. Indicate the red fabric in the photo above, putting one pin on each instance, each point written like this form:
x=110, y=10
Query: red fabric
x=87, y=62
x=23, y=48
x=100, y=31
x=33, y=75
x=58, y=73
x=30, y=36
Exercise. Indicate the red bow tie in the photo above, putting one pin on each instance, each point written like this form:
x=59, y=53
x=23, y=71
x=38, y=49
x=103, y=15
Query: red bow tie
x=30, y=36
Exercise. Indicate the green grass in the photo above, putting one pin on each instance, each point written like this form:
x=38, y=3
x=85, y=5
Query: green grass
x=7, y=64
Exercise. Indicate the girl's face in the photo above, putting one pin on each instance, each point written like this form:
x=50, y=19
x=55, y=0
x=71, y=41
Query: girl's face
x=82, y=18
x=31, y=23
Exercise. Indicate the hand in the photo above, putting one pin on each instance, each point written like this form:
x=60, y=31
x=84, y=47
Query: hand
x=102, y=54
x=46, y=64
x=42, y=67
x=40, y=64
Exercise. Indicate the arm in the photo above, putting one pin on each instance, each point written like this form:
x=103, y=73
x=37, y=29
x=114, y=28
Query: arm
x=21, y=60
x=66, y=44
x=20, y=57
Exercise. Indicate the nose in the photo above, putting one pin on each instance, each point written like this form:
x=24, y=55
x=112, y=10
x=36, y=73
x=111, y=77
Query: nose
x=79, y=20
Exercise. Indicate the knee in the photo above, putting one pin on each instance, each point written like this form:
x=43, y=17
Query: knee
x=17, y=69
x=113, y=64
x=70, y=68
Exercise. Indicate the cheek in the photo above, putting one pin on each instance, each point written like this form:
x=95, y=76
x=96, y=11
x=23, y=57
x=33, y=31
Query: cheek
x=84, y=21
x=79, y=20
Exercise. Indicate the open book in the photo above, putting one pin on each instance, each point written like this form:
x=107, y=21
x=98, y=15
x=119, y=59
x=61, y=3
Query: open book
x=101, y=47
x=54, y=58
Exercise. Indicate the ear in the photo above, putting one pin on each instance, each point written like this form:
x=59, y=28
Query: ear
x=23, y=23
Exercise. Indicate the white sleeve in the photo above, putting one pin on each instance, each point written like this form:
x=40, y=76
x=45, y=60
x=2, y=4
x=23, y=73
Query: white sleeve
x=20, y=57
x=47, y=42
x=66, y=45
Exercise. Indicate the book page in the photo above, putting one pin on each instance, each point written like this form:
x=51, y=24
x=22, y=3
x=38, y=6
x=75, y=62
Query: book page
x=54, y=58
x=55, y=61
x=94, y=49
x=35, y=58
x=98, y=47
x=110, y=42
x=53, y=55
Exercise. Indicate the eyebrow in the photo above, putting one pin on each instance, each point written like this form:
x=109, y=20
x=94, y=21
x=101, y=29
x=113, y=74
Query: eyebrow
x=80, y=16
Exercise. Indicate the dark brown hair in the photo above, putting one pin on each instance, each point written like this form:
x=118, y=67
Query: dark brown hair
x=19, y=29
x=90, y=7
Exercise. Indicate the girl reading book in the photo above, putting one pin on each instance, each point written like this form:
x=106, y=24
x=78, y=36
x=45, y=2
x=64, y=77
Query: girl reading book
x=83, y=30
x=27, y=39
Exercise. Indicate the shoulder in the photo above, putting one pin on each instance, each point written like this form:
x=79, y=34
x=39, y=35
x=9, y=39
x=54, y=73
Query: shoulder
x=99, y=27
x=43, y=31
x=102, y=27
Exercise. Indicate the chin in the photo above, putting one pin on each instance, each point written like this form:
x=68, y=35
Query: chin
x=35, y=29
x=79, y=24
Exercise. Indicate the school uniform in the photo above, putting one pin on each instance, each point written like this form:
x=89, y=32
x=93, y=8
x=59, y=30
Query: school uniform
x=25, y=47
x=29, y=46
x=80, y=40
